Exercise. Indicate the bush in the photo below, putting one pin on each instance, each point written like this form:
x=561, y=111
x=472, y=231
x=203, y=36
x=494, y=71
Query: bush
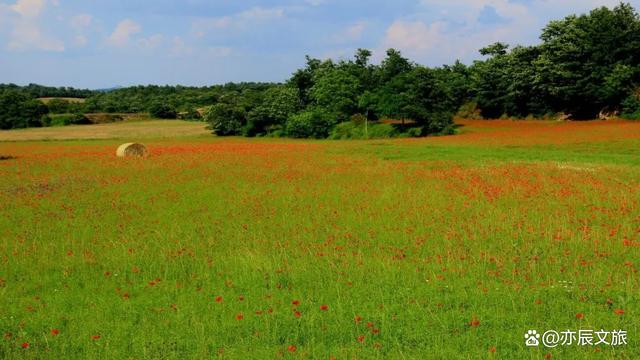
x=191, y=114
x=631, y=107
x=437, y=123
x=415, y=132
x=225, y=119
x=68, y=119
x=162, y=111
x=469, y=111
x=315, y=123
x=349, y=130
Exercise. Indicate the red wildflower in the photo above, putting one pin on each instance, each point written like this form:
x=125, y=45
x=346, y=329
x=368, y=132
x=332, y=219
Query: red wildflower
x=548, y=356
x=239, y=317
x=375, y=331
x=357, y=319
x=618, y=312
x=369, y=324
x=292, y=348
x=24, y=345
x=361, y=338
x=492, y=349
x=219, y=299
x=95, y=337
x=474, y=322
x=324, y=307
x=580, y=316
x=297, y=313
x=8, y=335
x=55, y=332
x=241, y=298
x=296, y=302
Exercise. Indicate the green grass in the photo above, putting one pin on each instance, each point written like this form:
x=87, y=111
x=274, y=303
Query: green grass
x=420, y=238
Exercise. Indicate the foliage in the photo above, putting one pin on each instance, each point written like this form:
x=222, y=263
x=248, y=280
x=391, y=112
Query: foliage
x=18, y=110
x=225, y=119
x=314, y=123
x=277, y=105
x=161, y=110
x=68, y=119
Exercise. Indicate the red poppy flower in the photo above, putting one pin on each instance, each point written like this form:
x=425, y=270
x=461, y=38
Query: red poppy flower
x=361, y=338
x=618, y=312
x=296, y=302
x=474, y=322
x=24, y=345
x=55, y=332
x=239, y=317
x=324, y=307
x=219, y=299
x=492, y=350
x=292, y=348
x=357, y=319
x=95, y=337
x=580, y=316
x=297, y=313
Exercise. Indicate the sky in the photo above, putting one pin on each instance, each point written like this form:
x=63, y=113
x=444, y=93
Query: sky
x=107, y=43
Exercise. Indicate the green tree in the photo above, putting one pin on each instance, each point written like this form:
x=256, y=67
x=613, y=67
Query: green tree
x=278, y=104
x=225, y=119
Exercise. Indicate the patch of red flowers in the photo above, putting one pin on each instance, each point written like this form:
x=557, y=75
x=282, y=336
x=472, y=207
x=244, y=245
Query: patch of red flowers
x=324, y=307
x=474, y=322
x=24, y=345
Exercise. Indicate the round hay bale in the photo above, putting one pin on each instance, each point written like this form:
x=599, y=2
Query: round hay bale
x=132, y=150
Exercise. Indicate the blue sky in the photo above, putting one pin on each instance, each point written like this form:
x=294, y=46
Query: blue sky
x=105, y=43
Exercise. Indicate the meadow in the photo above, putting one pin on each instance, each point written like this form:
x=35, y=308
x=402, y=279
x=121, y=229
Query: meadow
x=445, y=248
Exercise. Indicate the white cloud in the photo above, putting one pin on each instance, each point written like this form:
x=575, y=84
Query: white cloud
x=80, y=40
x=123, y=32
x=24, y=21
x=220, y=51
x=151, y=42
x=29, y=8
x=179, y=48
x=242, y=20
x=439, y=42
x=351, y=33
x=81, y=21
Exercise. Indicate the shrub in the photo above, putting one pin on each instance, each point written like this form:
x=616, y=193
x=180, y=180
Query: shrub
x=162, y=111
x=347, y=130
x=415, y=132
x=631, y=106
x=68, y=119
x=315, y=123
x=469, y=111
x=225, y=119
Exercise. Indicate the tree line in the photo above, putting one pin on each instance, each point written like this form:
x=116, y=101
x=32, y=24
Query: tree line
x=586, y=66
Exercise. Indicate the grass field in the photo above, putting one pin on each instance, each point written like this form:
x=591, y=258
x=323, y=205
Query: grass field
x=443, y=248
